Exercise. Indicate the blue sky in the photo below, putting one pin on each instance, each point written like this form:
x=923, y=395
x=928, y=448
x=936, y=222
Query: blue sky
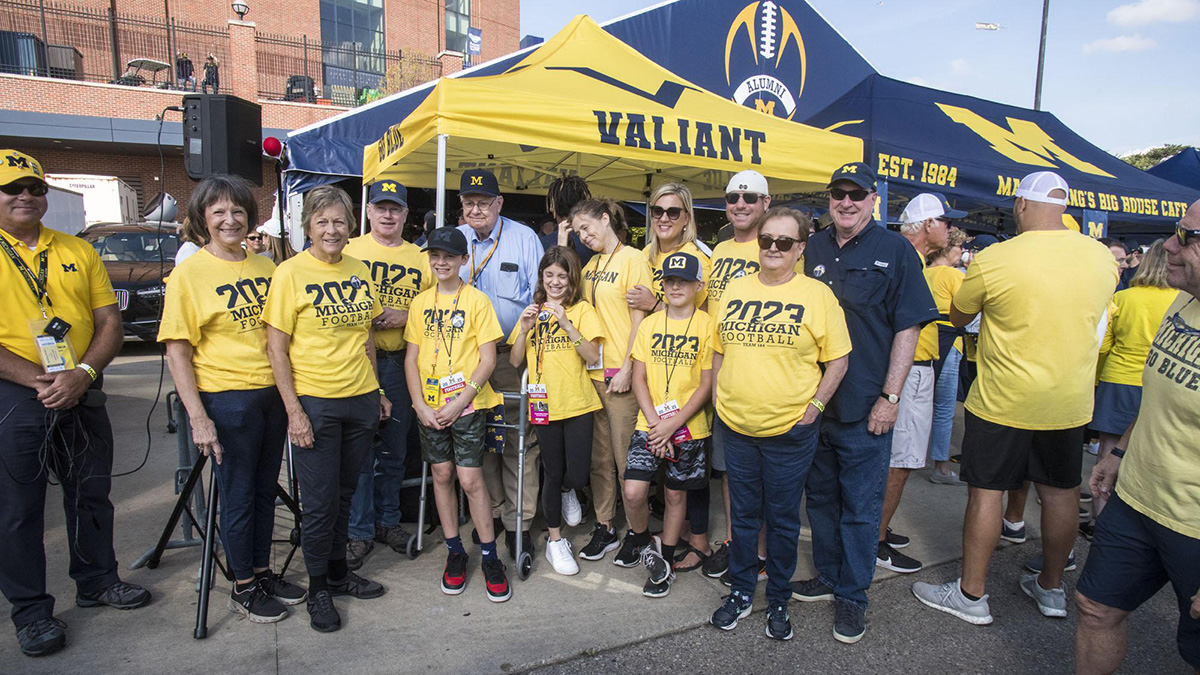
x=1122, y=73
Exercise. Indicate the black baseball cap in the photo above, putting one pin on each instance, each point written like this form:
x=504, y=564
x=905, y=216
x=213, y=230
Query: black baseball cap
x=447, y=239
x=479, y=182
x=858, y=173
x=681, y=266
x=388, y=191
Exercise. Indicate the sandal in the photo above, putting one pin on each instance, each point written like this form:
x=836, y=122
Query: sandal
x=687, y=550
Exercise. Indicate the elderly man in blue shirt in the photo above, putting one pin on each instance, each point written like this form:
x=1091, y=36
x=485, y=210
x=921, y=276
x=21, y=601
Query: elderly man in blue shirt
x=876, y=276
x=503, y=258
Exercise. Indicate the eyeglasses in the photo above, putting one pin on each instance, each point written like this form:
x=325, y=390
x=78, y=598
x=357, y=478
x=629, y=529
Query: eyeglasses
x=1182, y=326
x=838, y=194
x=1184, y=235
x=37, y=189
x=731, y=198
x=783, y=244
x=673, y=213
x=482, y=206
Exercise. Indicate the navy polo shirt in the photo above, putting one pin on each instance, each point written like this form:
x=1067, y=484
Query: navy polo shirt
x=877, y=277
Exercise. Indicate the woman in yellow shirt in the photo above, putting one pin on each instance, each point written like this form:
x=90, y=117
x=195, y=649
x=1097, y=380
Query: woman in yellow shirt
x=322, y=352
x=944, y=279
x=216, y=350
x=557, y=334
x=670, y=228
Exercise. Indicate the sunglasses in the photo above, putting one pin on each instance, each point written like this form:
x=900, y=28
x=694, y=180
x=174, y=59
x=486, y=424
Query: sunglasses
x=838, y=194
x=38, y=189
x=254, y=237
x=1182, y=326
x=1184, y=235
x=673, y=213
x=731, y=198
x=783, y=244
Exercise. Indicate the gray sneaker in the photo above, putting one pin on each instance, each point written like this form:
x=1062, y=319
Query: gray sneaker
x=945, y=478
x=949, y=598
x=1051, y=602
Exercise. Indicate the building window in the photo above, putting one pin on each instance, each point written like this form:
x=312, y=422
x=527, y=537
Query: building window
x=458, y=20
x=352, y=47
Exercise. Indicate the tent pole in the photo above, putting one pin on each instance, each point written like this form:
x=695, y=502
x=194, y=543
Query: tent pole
x=362, y=214
x=441, y=180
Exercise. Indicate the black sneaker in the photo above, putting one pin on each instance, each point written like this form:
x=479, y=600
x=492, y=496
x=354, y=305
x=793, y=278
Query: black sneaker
x=811, y=590
x=510, y=540
x=1088, y=530
x=392, y=536
x=496, y=580
x=630, y=554
x=717, y=562
x=454, y=578
x=897, y=540
x=120, y=595
x=356, y=587
x=497, y=528
x=849, y=622
x=603, y=541
x=255, y=604
x=1085, y=498
x=1084, y=514
x=322, y=615
x=659, y=590
x=736, y=607
x=357, y=551
x=656, y=566
x=280, y=589
x=779, y=624
x=889, y=558
x=42, y=637
x=1013, y=535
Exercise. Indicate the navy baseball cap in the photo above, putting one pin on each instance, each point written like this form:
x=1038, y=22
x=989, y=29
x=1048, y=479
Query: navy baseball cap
x=388, y=191
x=480, y=182
x=682, y=266
x=858, y=173
x=980, y=242
x=447, y=239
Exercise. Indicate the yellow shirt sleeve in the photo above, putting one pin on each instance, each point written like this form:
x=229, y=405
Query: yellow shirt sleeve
x=970, y=296
x=179, y=320
x=280, y=309
x=588, y=324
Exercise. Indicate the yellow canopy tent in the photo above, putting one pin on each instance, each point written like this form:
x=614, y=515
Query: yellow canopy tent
x=588, y=104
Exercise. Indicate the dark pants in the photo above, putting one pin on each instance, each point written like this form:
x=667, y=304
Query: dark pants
x=698, y=502
x=252, y=429
x=377, y=498
x=343, y=429
x=78, y=454
x=566, y=461
x=845, y=500
x=766, y=481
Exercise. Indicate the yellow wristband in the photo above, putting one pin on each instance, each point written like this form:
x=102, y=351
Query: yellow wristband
x=475, y=386
x=89, y=370
x=578, y=342
x=381, y=393
x=817, y=404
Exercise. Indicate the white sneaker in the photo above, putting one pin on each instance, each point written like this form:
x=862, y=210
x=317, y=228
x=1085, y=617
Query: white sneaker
x=560, y=556
x=571, y=510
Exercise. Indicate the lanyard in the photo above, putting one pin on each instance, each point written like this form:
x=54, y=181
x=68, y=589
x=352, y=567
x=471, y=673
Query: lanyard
x=600, y=271
x=670, y=371
x=475, y=272
x=37, y=284
x=437, y=345
x=539, y=345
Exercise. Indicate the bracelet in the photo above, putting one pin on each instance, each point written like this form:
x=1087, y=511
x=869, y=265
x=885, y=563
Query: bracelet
x=89, y=370
x=1119, y=453
x=578, y=342
x=817, y=404
x=475, y=386
x=381, y=392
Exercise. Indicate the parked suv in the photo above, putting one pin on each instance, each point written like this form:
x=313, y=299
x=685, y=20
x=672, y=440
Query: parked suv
x=138, y=258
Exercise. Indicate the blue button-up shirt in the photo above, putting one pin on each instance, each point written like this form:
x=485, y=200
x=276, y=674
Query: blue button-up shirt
x=877, y=278
x=509, y=277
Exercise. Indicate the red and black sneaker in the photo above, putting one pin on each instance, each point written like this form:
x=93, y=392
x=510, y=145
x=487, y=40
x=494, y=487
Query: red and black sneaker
x=498, y=589
x=454, y=579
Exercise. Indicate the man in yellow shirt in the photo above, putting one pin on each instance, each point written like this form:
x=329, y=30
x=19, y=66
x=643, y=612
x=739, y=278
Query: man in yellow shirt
x=1028, y=406
x=399, y=271
x=1149, y=533
x=59, y=329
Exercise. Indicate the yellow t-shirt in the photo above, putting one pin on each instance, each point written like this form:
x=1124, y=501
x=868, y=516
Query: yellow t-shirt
x=76, y=283
x=1137, y=315
x=398, y=273
x=606, y=280
x=1160, y=475
x=560, y=367
x=447, y=349
x=675, y=352
x=656, y=269
x=327, y=309
x=773, y=339
x=731, y=260
x=216, y=306
x=1042, y=294
x=944, y=281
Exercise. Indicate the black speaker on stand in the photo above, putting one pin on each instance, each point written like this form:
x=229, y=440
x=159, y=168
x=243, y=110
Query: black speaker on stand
x=222, y=134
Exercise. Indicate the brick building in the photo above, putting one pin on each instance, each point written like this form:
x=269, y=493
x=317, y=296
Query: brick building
x=69, y=96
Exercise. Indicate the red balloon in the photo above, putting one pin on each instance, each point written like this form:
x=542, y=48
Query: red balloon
x=272, y=146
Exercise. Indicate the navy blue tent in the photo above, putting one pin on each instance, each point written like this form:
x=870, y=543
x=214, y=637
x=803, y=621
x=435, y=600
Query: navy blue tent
x=1183, y=168
x=977, y=151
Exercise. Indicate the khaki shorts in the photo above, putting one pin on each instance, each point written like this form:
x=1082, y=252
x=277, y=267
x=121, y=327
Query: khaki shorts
x=914, y=420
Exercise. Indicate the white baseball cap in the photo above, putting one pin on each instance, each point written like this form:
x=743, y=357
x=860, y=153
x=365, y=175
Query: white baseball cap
x=1037, y=186
x=930, y=205
x=748, y=181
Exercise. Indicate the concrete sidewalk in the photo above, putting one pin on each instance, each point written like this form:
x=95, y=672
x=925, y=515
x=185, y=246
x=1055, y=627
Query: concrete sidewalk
x=550, y=619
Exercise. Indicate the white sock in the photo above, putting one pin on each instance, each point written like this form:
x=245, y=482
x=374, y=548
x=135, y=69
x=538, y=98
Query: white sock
x=1014, y=526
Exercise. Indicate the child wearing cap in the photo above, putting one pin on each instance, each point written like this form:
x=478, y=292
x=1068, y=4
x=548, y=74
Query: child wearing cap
x=672, y=379
x=558, y=335
x=451, y=334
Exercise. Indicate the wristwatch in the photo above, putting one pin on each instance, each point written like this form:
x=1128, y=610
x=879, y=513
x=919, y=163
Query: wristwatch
x=891, y=398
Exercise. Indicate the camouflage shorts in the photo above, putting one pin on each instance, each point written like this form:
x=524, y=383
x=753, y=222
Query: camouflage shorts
x=461, y=442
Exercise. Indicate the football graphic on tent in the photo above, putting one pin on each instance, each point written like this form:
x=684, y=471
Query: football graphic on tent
x=765, y=61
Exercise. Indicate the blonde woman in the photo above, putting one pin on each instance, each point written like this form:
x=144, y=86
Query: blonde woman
x=670, y=228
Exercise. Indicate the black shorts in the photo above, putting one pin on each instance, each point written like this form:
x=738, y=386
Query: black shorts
x=1132, y=557
x=688, y=473
x=996, y=457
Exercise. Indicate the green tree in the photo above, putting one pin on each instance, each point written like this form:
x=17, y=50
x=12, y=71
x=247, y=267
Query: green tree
x=1148, y=158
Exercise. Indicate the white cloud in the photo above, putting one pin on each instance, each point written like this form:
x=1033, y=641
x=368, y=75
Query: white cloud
x=1146, y=12
x=1121, y=43
x=960, y=67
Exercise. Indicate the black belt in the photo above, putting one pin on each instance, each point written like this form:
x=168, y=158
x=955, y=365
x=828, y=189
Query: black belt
x=924, y=363
x=387, y=354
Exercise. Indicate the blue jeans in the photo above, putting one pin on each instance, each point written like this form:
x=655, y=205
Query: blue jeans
x=945, y=398
x=845, y=497
x=252, y=429
x=766, y=481
x=377, y=498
